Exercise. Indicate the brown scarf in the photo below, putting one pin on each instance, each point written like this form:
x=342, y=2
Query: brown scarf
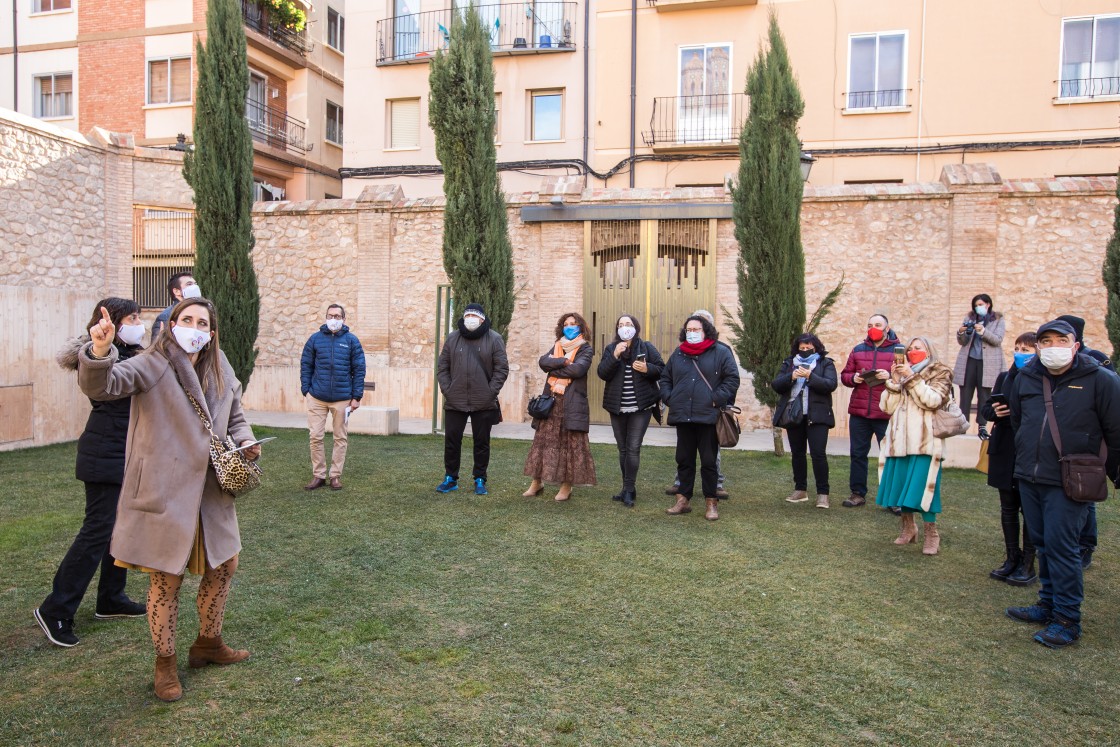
x=564, y=348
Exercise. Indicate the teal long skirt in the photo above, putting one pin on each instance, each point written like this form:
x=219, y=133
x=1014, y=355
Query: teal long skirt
x=904, y=483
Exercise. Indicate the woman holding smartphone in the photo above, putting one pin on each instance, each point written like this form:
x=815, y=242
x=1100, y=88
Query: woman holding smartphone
x=809, y=376
x=631, y=367
x=910, y=458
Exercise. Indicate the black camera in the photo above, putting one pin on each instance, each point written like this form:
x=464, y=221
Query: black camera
x=969, y=325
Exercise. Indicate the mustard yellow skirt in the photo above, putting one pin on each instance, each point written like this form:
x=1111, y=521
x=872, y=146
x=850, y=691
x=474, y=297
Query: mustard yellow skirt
x=196, y=563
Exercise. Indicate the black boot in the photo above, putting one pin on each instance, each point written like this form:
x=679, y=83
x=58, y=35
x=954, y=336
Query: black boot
x=1024, y=574
x=628, y=497
x=1009, y=565
x=618, y=496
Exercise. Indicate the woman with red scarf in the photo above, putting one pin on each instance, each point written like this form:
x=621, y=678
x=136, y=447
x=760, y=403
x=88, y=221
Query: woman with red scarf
x=699, y=379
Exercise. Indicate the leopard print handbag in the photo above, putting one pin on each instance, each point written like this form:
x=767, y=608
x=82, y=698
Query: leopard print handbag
x=236, y=474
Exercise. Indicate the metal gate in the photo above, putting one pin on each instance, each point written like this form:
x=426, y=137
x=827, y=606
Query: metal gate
x=660, y=271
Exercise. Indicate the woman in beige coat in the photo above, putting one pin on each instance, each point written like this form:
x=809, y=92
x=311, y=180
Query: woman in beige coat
x=173, y=516
x=910, y=456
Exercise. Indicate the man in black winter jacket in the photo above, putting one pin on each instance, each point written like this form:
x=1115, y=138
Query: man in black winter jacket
x=1086, y=410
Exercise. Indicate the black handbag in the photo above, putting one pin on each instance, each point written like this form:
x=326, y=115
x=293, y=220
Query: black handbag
x=793, y=414
x=540, y=407
x=1084, y=476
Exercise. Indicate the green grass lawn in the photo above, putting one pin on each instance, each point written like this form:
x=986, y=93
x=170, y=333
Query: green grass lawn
x=386, y=614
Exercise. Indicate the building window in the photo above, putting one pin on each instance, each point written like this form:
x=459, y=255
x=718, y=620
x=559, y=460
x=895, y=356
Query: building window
x=1090, y=57
x=877, y=70
x=404, y=123
x=169, y=80
x=497, y=118
x=54, y=95
x=704, y=87
x=162, y=245
x=546, y=112
x=334, y=123
x=47, y=6
x=336, y=30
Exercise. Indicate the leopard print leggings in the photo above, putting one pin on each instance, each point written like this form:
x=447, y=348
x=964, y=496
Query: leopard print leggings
x=163, y=604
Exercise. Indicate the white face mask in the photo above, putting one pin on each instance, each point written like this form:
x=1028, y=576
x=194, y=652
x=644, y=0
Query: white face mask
x=334, y=324
x=131, y=334
x=192, y=291
x=472, y=322
x=1055, y=358
x=626, y=333
x=694, y=337
x=190, y=340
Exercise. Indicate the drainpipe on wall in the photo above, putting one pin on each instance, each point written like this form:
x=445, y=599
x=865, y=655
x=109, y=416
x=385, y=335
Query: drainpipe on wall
x=586, y=93
x=633, y=80
x=15, y=56
x=921, y=95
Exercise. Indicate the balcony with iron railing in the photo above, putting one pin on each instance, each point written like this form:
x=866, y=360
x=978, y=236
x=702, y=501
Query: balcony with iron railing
x=696, y=121
x=275, y=128
x=515, y=28
x=256, y=18
x=1088, y=88
x=889, y=98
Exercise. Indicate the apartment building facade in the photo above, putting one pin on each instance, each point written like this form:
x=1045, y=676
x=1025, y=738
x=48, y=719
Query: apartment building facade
x=894, y=89
x=131, y=67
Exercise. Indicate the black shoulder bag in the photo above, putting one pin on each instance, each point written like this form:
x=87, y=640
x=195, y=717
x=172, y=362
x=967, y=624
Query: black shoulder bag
x=1084, y=476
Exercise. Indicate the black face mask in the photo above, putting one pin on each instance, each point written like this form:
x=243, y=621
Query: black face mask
x=806, y=353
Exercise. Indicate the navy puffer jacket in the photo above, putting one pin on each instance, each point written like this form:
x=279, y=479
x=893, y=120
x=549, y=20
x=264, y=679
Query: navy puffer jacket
x=333, y=366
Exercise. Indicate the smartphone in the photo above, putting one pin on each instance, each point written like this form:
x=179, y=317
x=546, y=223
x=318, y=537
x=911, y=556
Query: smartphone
x=899, y=353
x=998, y=399
x=640, y=356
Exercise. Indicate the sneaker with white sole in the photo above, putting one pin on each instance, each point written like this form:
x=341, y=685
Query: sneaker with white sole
x=58, y=631
x=124, y=608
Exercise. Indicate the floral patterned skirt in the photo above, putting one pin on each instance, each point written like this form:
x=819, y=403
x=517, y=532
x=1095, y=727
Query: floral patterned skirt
x=558, y=455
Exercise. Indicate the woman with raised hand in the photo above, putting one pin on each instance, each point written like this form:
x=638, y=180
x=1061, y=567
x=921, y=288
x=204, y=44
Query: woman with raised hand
x=910, y=457
x=631, y=367
x=173, y=515
x=561, y=451
x=100, y=465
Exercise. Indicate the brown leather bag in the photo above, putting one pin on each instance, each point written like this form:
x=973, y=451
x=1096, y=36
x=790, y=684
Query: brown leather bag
x=1084, y=476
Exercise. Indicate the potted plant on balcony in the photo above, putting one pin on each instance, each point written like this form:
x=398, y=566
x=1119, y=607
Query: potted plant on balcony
x=285, y=13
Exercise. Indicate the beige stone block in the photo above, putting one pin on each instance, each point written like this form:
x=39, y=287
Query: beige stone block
x=376, y=421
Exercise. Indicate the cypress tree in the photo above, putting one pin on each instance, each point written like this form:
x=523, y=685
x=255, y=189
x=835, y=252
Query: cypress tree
x=477, y=254
x=220, y=171
x=766, y=206
x=1111, y=275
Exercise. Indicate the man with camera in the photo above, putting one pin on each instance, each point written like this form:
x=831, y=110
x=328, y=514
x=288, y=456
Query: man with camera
x=1064, y=407
x=866, y=371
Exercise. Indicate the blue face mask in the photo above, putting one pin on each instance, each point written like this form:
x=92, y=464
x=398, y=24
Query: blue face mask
x=571, y=332
x=1022, y=359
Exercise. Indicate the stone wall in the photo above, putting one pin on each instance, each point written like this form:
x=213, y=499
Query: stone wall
x=916, y=253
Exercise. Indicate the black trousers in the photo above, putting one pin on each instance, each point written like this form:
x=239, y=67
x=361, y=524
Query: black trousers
x=89, y=550
x=629, y=430
x=693, y=439
x=860, y=431
x=973, y=384
x=1010, y=504
x=454, y=423
x=815, y=435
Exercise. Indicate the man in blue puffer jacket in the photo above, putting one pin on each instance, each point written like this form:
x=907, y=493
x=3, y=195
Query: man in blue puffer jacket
x=332, y=379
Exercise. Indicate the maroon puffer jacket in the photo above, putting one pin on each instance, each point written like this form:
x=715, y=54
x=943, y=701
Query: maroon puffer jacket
x=865, y=399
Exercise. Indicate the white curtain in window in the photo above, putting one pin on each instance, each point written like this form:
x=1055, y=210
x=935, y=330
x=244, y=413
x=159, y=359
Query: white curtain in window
x=1106, y=57
x=1077, y=55
x=892, y=67
x=861, y=79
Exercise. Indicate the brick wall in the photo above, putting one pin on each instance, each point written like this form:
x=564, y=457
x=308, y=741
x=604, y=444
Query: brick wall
x=111, y=89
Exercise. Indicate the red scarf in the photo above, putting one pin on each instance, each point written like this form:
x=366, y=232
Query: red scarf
x=689, y=348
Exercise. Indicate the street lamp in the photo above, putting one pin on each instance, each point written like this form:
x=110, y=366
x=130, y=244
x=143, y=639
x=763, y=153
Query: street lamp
x=806, y=165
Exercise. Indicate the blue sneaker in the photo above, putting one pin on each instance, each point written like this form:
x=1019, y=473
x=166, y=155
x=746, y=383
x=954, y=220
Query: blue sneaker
x=1059, y=633
x=1036, y=613
x=448, y=485
x=480, y=486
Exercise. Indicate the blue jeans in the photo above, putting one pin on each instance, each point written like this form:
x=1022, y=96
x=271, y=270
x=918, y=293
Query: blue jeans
x=1089, y=533
x=860, y=431
x=1055, y=523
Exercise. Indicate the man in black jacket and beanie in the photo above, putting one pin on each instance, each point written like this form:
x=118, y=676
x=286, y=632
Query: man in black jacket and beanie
x=1086, y=411
x=472, y=369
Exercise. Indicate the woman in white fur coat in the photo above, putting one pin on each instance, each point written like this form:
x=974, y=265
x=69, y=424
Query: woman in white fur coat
x=910, y=457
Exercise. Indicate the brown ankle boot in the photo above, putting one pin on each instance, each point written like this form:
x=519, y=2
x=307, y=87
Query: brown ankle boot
x=909, y=530
x=933, y=539
x=712, y=513
x=213, y=651
x=167, y=684
x=680, y=507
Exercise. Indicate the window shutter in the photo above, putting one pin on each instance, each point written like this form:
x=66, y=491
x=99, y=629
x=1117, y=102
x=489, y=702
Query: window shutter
x=157, y=82
x=63, y=83
x=181, y=79
x=405, y=125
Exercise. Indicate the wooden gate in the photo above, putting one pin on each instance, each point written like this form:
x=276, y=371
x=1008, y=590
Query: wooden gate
x=660, y=271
